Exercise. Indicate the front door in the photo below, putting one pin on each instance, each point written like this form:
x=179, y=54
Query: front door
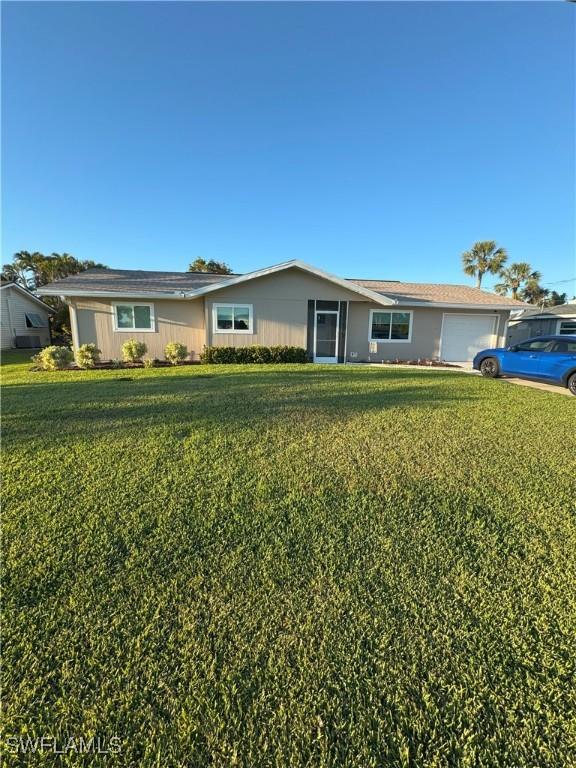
x=326, y=337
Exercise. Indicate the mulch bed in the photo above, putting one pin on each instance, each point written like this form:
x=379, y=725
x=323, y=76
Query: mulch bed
x=107, y=365
x=422, y=363
x=157, y=364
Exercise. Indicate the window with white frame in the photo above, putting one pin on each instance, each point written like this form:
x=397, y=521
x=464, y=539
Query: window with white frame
x=386, y=326
x=567, y=327
x=133, y=317
x=34, y=320
x=233, y=318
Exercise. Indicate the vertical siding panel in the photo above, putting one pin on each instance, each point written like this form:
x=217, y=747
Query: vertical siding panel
x=14, y=308
x=176, y=320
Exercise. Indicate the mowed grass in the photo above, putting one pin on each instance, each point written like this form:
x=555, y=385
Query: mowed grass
x=290, y=566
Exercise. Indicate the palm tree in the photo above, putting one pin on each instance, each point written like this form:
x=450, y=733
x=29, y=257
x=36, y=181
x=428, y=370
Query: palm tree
x=554, y=299
x=534, y=293
x=515, y=277
x=485, y=256
x=23, y=268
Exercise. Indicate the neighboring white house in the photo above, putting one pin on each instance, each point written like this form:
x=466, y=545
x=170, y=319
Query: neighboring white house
x=24, y=318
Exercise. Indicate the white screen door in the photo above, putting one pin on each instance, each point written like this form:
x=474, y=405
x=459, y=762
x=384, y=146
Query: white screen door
x=326, y=337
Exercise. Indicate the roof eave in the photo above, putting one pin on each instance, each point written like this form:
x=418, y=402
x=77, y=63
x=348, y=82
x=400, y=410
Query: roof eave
x=128, y=294
x=29, y=295
x=454, y=305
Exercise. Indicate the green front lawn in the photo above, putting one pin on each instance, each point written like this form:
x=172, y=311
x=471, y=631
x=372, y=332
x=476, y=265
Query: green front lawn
x=290, y=566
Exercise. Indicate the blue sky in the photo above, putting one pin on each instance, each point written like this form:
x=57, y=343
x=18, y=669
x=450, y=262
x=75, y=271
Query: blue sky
x=373, y=140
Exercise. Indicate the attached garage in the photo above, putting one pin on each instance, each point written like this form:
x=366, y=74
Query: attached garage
x=463, y=335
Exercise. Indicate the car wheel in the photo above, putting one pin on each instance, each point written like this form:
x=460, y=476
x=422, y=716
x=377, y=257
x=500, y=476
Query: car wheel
x=489, y=367
x=572, y=383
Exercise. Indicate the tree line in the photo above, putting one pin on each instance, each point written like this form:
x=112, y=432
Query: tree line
x=518, y=280
x=33, y=270
x=486, y=257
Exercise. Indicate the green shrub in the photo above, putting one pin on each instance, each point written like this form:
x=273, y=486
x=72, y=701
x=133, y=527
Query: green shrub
x=87, y=356
x=150, y=362
x=220, y=355
x=288, y=355
x=175, y=352
x=254, y=354
x=116, y=363
x=260, y=354
x=241, y=354
x=133, y=351
x=53, y=358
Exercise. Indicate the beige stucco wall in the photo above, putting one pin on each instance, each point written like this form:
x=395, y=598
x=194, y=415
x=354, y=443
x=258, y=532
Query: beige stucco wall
x=426, y=330
x=280, y=307
x=175, y=320
x=13, y=308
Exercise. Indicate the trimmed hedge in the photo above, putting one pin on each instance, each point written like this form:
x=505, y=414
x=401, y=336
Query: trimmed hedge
x=254, y=354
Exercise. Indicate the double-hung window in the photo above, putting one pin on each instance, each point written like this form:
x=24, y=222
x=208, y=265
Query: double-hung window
x=233, y=318
x=133, y=317
x=386, y=326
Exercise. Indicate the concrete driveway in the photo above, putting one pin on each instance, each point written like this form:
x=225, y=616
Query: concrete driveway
x=540, y=385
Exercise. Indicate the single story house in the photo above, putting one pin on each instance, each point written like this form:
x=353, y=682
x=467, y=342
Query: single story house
x=24, y=318
x=292, y=303
x=557, y=321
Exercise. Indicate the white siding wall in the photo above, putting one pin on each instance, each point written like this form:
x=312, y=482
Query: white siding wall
x=13, y=308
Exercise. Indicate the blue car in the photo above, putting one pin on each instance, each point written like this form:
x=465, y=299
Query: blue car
x=550, y=358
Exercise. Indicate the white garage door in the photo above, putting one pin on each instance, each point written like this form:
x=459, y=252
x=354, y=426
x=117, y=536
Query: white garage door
x=464, y=335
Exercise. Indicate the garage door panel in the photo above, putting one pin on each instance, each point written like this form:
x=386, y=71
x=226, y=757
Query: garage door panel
x=465, y=335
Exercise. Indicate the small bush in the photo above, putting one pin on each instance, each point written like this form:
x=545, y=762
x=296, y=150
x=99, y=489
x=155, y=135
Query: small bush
x=53, y=358
x=116, y=363
x=261, y=354
x=87, y=356
x=175, y=352
x=133, y=351
x=254, y=354
x=241, y=354
x=221, y=355
x=288, y=355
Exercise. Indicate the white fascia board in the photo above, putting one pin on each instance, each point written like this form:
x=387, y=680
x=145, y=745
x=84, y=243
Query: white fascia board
x=451, y=305
x=116, y=294
x=295, y=264
x=28, y=295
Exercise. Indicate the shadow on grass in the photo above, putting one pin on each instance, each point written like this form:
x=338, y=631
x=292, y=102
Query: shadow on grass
x=231, y=398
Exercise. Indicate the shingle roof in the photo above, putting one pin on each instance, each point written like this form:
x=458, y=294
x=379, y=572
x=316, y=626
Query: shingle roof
x=538, y=312
x=128, y=281
x=138, y=280
x=437, y=293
